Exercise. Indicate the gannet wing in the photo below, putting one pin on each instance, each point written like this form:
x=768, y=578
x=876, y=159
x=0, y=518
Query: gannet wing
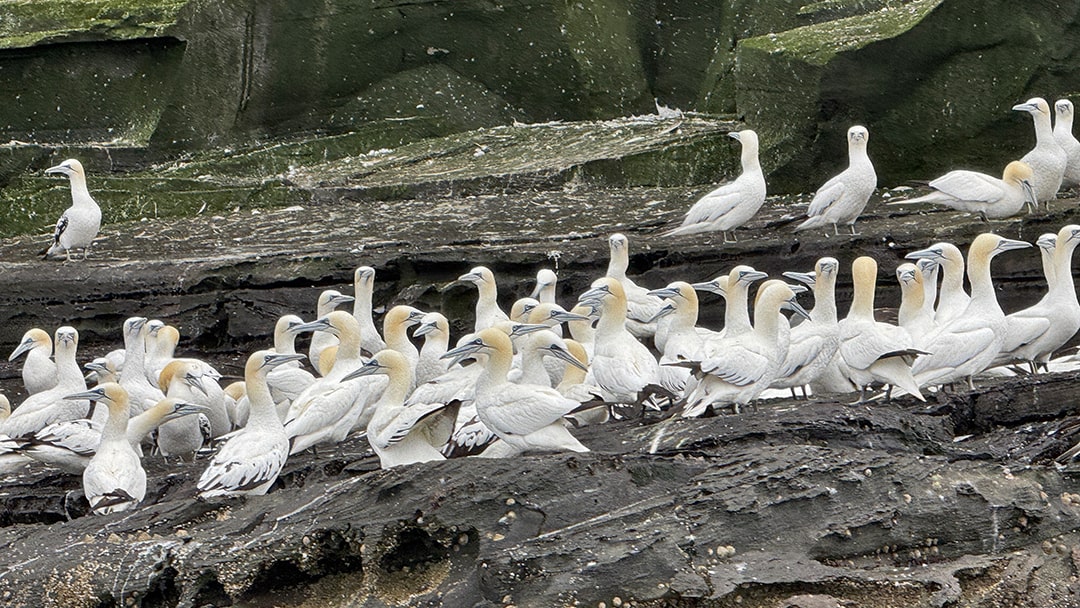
x=827, y=195
x=523, y=409
x=970, y=186
x=61, y=226
x=78, y=436
x=470, y=437
x=800, y=354
x=952, y=349
x=862, y=349
x=407, y=419
x=739, y=366
x=713, y=205
x=243, y=464
x=1023, y=330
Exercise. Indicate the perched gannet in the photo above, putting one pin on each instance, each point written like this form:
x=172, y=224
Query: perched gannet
x=287, y=380
x=1034, y=333
x=733, y=204
x=396, y=326
x=874, y=351
x=813, y=344
x=52, y=405
x=525, y=417
x=1046, y=243
x=952, y=299
x=237, y=404
x=364, y=290
x=401, y=434
x=749, y=362
x=734, y=288
x=929, y=269
x=552, y=316
x=641, y=308
x=114, y=479
x=969, y=343
x=141, y=392
x=1047, y=159
x=583, y=331
x=329, y=300
x=1063, y=135
x=621, y=365
x=537, y=348
x=986, y=195
x=39, y=370
x=841, y=199
x=78, y=226
x=488, y=312
x=101, y=370
x=679, y=336
x=546, y=282
x=575, y=385
x=161, y=341
x=185, y=436
x=435, y=329
x=251, y=459
x=913, y=316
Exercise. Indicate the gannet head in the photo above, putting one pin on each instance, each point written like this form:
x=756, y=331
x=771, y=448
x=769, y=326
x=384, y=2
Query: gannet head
x=405, y=316
x=549, y=313
x=908, y=274
x=668, y=308
x=134, y=326
x=604, y=290
x=745, y=275
x=806, y=278
x=432, y=323
x=333, y=323
x=478, y=275
x=485, y=342
x=1046, y=242
x=1034, y=106
x=746, y=137
x=545, y=277
x=385, y=362
x=927, y=267
x=69, y=167
x=1068, y=234
x=522, y=308
x=618, y=242
x=287, y=324
x=550, y=345
x=1063, y=108
x=101, y=369
x=1020, y=173
x=33, y=338
x=153, y=326
x=940, y=252
x=987, y=245
x=679, y=292
x=67, y=337
x=171, y=409
x=719, y=286
x=111, y=394
x=262, y=361
x=331, y=299
x=776, y=293
x=858, y=134
x=864, y=269
x=364, y=275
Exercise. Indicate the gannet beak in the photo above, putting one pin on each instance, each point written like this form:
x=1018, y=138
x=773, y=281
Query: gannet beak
x=521, y=329
x=23, y=346
x=61, y=168
x=341, y=299
x=924, y=254
x=562, y=316
x=536, y=290
x=195, y=382
x=709, y=286
x=322, y=324
x=797, y=308
x=93, y=394
x=797, y=288
x=1074, y=234
x=596, y=294
x=469, y=277
x=273, y=361
x=735, y=135
x=370, y=368
x=1047, y=242
x=182, y=409
x=1029, y=192
x=459, y=354
x=424, y=329
x=560, y=352
x=664, y=311
x=809, y=278
x=665, y=292
x=1026, y=107
x=1010, y=244
x=750, y=276
x=906, y=275
x=415, y=316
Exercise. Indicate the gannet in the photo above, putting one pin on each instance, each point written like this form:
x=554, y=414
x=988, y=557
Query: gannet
x=546, y=282
x=161, y=342
x=841, y=199
x=734, y=288
x=640, y=306
x=329, y=300
x=39, y=370
x=553, y=316
x=525, y=417
x=180, y=380
x=1034, y=333
x=435, y=329
x=141, y=393
x=401, y=434
x=969, y=343
x=78, y=226
x=287, y=380
x=1047, y=159
x=929, y=269
x=236, y=403
x=574, y=385
x=813, y=344
x=874, y=351
x=733, y=204
x=750, y=361
x=114, y=479
x=952, y=300
x=913, y=316
x=621, y=365
x=364, y=290
x=522, y=308
x=251, y=459
x=42, y=409
x=681, y=340
x=986, y=195
x=1046, y=243
x=101, y=370
x=1063, y=135
x=537, y=348
x=487, y=306
x=396, y=326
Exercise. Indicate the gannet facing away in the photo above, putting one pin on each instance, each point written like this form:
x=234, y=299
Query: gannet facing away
x=78, y=226
x=363, y=291
x=39, y=370
x=252, y=457
x=1063, y=135
x=1047, y=159
x=952, y=299
x=733, y=204
x=114, y=479
x=986, y=195
x=841, y=199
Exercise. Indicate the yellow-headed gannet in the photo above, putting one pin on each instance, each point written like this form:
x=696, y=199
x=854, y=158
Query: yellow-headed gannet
x=180, y=380
x=236, y=403
x=874, y=351
x=750, y=361
x=39, y=370
x=583, y=331
x=288, y=380
x=641, y=308
x=553, y=316
x=141, y=393
x=575, y=385
x=522, y=308
x=401, y=434
x=969, y=343
x=929, y=269
x=435, y=329
x=78, y=226
x=733, y=204
x=734, y=288
x=364, y=290
x=913, y=316
x=396, y=326
x=329, y=300
x=813, y=344
x=525, y=417
x=1047, y=159
x=488, y=312
x=841, y=199
x=986, y=195
x=161, y=342
x=952, y=300
x=1034, y=333
x=114, y=479
x=1063, y=135
x=621, y=365
x=42, y=409
x=251, y=459
x=677, y=334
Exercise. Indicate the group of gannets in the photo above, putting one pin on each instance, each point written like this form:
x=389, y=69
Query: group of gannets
x=537, y=372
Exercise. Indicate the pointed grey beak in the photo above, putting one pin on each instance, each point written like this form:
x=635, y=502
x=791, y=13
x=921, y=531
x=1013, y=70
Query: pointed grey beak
x=924, y=254
x=666, y=310
x=797, y=288
x=459, y=354
x=710, y=287
x=807, y=278
x=523, y=329
x=560, y=352
x=93, y=394
x=276, y=360
x=665, y=292
x=370, y=368
x=797, y=308
x=1010, y=244
x=64, y=169
x=1025, y=107
x=735, y=135
x=751, y=276
x=196, y=382
x=565, y=317
x=23, y=346
x=182, y=409
x=424, y=329
x=322, y=324
x=906, y=275
x=1029, y=192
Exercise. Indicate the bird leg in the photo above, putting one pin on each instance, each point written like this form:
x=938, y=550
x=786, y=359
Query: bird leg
x=982, y=216
x=852, y=227
x=835, y=229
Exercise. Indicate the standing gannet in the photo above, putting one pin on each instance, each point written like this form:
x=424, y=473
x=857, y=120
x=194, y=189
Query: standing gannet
x=401, y=434
x=161, y=342
x=39, y=370
x=185, y=381
x=621, y=365
x=679, y=334
x=952, y=299
x=929, y=269
x=1063, y=135
x=732, y=204
x=874, y=351
x=812, y=344
x=78, y=226
x=1034, y=333
x=141, y=393
x=913, y=316
x=114, y=479
x=575, y=385
x=287, y=380
x=525, y=417
x=734, y=288
x=252, y=457
x=435, y=329
x=546, y=283
x=52, y=405
x=236, y=403
x=969, y=343
x=640, y=306
x=364, y=290
x=986, y=195
x=552, y=316
x=329, y=300
x=749, y=362
x=396, y=326
x=841, y=199
x=1047, y=159
x=488, y=312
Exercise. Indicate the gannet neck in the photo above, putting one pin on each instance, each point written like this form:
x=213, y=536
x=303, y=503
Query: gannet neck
x=952, y=269
x=1064, y=117
x=68, y=374
x=263, y=412
x=686, y=307
x=767, y=316
x=80, y=194
x=737, y=312
x=929, y=271
x=500, y=355
x=857, y=140
x=1047, y=243
x=116, y=399
x=582, y=331
x=825, y=291
x=400, y=374
x=982, y=250
x=348, y=333
x=620, y=257
x=749, y=158
x=911, y=291
x=285, y=340
x=395, y=330
x=363, y=290
x=134, y=346
x=573, y=375
x=329, y=300
x=1067, y=239
x=546, y=281
x=864, y=280
x=613, y=314
x=1044, y=131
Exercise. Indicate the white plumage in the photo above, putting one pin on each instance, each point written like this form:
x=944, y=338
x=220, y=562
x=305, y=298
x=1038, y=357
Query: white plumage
x=841, y=199
x=114, y=479
x=39, y=370
x=983, y=194
x=1047, y=159
x=1063, y=135
x=79, y=225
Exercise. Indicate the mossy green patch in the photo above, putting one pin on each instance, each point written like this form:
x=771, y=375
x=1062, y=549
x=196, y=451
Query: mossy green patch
x=29, y=22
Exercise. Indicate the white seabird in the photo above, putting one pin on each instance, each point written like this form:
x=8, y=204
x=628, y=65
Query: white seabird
x=986, y=195
x=141, y=393
x=488, y=312
x=1047, y=159
x=733, y=204
x=364, y=290
x=640, y=306
x=841, y=199
x=78, y=226
x=952, y=300
x=913, y=316
x=287, y=380
x=546, y=282
x=678, y=332
x=251, y=459
x=734, y=288
x=39, y=370
x=42, y=409
x=329, y=300
x=435, y=329
x=1063, y=135
x=114, y=479
x=180, y=380
x=813, y=344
